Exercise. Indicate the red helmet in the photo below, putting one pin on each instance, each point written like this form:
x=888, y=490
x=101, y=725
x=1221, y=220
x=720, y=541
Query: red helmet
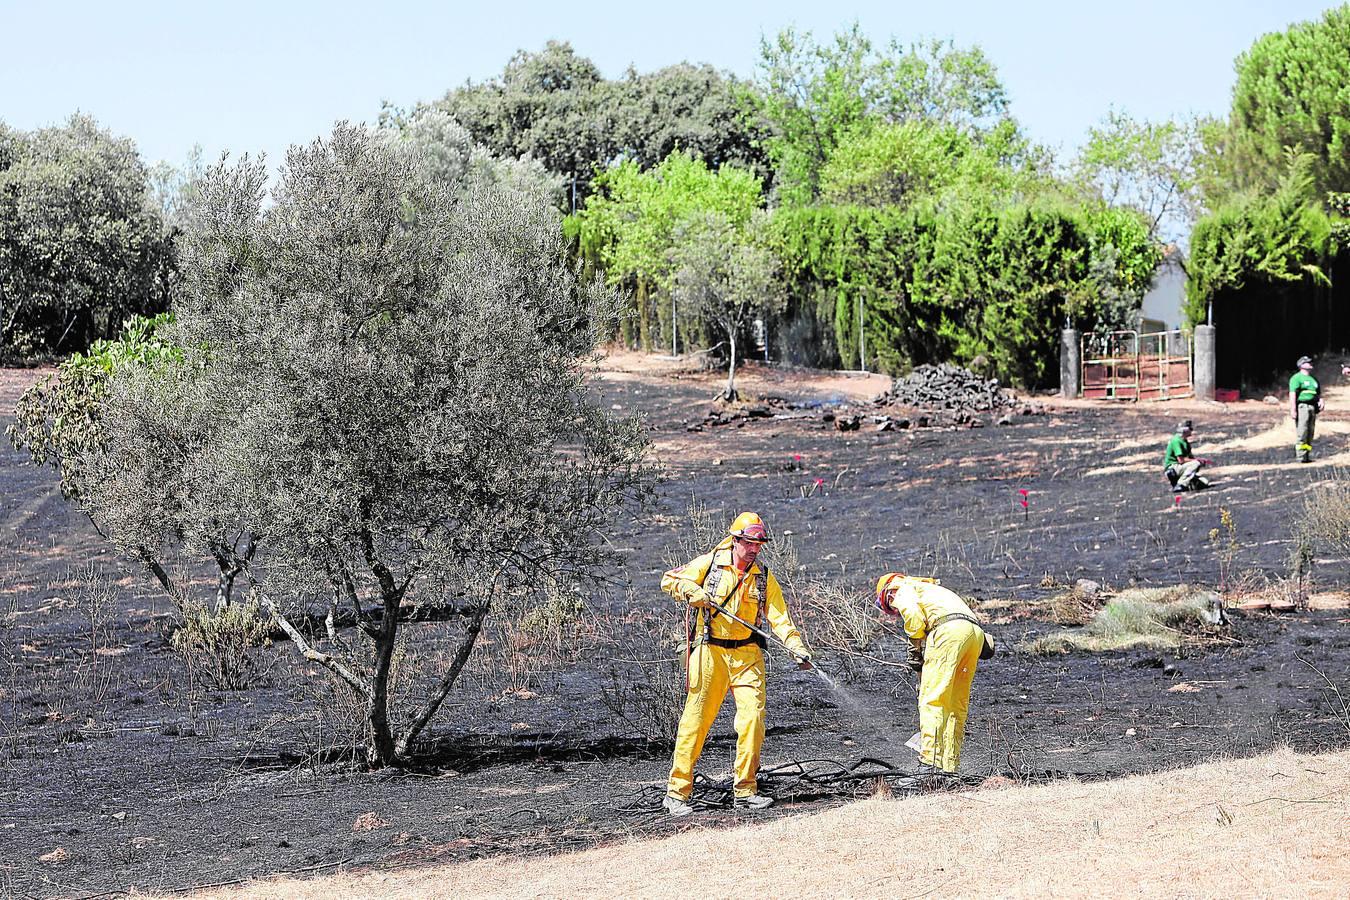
x=891, y=581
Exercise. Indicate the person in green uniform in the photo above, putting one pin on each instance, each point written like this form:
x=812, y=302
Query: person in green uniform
x=1305, y=402
x=1181, y=468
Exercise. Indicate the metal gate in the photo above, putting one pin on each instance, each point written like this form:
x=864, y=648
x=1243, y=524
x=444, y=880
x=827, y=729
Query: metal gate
x=1129, y=365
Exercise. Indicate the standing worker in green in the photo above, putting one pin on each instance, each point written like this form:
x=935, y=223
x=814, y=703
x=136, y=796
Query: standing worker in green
x=725, y=655
x=1305, y=402
x=1181, y=468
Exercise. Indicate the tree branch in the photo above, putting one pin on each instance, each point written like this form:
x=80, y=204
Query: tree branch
x=433, y=704
x=324, y=659
x=361, y=619
x=451, y=675
x=330, y=624
x=149, y=561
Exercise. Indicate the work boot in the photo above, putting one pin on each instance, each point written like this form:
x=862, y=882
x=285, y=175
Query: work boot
x=677, y=807
x=754, y=801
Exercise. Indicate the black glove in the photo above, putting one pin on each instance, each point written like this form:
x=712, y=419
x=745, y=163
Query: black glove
x=915, y=658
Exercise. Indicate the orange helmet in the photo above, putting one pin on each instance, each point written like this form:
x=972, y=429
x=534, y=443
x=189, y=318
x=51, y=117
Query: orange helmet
x=750, y=527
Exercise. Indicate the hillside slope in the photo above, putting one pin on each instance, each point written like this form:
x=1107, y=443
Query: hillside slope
x=1275, y=825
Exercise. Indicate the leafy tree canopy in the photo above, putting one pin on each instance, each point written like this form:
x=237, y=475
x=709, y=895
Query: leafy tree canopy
x=81, y=246
x=555, y=107
x=633, y=220
x=814, y=95
x=1293, y=91
x=452, y=160
x=693, y=108
x=899, y=163
x=1148, y=166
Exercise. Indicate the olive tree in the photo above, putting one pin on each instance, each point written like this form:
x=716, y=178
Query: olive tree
x=451, y=157
x=723, y=275
x=383, y=388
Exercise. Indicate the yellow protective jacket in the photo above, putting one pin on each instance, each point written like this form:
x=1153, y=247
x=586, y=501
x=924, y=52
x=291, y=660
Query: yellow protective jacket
x=686, y=583
x=922, y=603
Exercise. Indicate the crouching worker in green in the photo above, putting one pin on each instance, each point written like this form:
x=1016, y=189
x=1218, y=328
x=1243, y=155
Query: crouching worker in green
x=1181, y=468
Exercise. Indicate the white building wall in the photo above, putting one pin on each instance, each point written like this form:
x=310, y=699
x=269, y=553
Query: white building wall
x=1164, y=301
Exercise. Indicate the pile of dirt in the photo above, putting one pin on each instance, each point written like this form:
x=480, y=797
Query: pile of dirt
x=947, y=386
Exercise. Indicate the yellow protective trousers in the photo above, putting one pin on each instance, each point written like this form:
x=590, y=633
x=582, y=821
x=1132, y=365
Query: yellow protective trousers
x=949, y=659
x=712, y=671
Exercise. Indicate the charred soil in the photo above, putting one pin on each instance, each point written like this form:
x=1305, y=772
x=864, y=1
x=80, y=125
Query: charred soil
x=120, y=771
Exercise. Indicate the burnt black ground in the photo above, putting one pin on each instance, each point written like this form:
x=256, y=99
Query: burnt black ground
x=145, y=782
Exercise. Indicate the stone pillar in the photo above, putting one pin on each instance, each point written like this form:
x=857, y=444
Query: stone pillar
x=1204, y=363
x=1070, y=363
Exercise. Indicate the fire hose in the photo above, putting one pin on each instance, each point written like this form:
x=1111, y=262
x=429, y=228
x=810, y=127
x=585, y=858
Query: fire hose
x=763, y=633
x=715, y=609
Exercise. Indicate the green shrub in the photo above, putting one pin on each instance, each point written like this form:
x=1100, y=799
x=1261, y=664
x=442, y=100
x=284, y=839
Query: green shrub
x=59, y=420
x=215, y=644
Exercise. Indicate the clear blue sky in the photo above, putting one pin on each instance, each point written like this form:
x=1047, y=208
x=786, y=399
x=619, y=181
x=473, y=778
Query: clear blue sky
x=254, y=76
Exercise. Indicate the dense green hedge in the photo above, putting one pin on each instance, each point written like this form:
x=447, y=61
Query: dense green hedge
x=935, y=284
x=1261, y=244
x=1264, y=266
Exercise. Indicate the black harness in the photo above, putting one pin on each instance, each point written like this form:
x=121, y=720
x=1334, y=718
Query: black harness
x=711, y=582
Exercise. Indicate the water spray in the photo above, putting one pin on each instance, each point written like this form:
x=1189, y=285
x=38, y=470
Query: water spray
x=882, y=729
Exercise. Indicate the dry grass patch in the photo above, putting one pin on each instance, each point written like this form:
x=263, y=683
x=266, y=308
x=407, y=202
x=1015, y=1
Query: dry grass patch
x=1275, y=825
x=1075, y=606
x=1150, y=618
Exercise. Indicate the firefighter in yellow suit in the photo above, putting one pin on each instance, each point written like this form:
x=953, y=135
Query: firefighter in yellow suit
x=726, y=655
x=946, y=644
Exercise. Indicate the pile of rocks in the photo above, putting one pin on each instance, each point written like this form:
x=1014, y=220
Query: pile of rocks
x=733, y=414
x=947, y=386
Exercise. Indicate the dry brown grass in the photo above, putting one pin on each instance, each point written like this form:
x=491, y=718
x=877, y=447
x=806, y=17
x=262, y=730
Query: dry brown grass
x=1275, y=825
x=1151, y=618
x=1073, y=607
